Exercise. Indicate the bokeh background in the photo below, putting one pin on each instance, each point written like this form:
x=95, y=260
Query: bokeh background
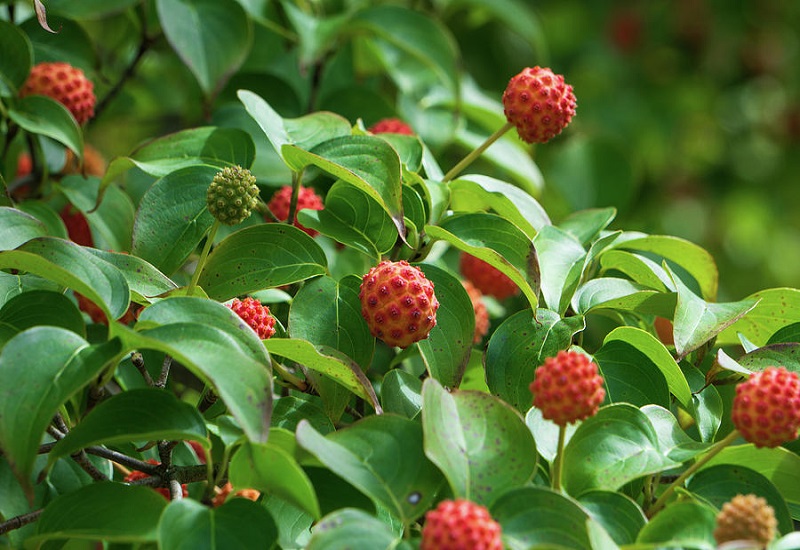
x=688, y=110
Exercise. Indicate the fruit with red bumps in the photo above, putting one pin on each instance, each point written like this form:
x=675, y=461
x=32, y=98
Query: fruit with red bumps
x=256, y=315
x=487, y=278
x=97, y=316
x=24, y=165
x=460, y=525
x=77, y=226
x=64, y=83
x=567, y=388
x=137, y=474
x=664, y=330
x=766, y=408
x=398, y=303
x=232, y=195
x=306, y=199
x=481, y=313
x=227, y=489
x=746, y=517
x=391, y=126
x=539, y=104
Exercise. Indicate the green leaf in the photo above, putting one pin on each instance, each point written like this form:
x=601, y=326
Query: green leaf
x=545, y=433
x=787, y=355
x=719, y=484
x=239, y=523
x=144, y=280
x=206, y=145
x=561, y=260
x=638, y=268
x=89, y=9
x=327, y=361
x=15, y=64
x=211, y=353
x=656, y=354
x=447, y=349
x=70, y=265
x=789, y=333
x=480, y=443
x=46, y=214
x=290, y=410
x=351, y=529
x=41, y=115
x=617, y=445
x=519, y=345
x=354, y=218
x=677, y=445
x=146, y=414
x=694, y=259
x=258, y=257
x=401, y=393
x=111, y=221
x=496, y=241
x=473, y=193
x=684, y=525
x=272, y=470
x=779, y=465
x=697, y=321
x=212, y=37
x=17, y=227
x=367, y=162
x=631, y=376
x=173, y=218
x=586, y=225
x=40, y=368
x=777, y=308
x=610, y=293
x=365, y=454
x=327, y=312
x=537, y=517
x=71, y=44
x=39, y=307
x=105, y=510
x=617, y=513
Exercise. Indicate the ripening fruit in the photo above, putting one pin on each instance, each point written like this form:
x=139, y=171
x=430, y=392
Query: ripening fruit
x=664, y=330
x=136, y=475
x=487, y=278
x=567, y=388
x=225, y=493
x=460, y=525
x=539, y=104
x=398, y=303
x=766, y=408
x=481, y=313
x=93, y=163
x=232, y=195
x=306, y=199
x=77, y=225
x=746, y=517
x=256, y=315
x=64, y=83
x=391, y=126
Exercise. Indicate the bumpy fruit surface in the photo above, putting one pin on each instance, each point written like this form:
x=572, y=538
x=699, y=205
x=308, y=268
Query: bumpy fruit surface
x=391, y=126
x=77, y=226
x=232, y=195
x=136, y=475
x=306, y=199
x=460, y=525
x=481, y=313
x=486, y=278
x=220, y=498
x=746, y=517
x=398, y=303
x=766, y=408
x=539, y=104
x=256, y=315
x=96, y=314
x=64, y=83
x=567, y=388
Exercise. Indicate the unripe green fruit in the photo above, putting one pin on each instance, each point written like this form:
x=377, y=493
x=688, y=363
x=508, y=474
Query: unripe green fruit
x=232, y=195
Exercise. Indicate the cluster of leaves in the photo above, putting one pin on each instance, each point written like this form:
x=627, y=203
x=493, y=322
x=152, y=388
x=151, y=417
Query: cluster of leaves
x=349, y=441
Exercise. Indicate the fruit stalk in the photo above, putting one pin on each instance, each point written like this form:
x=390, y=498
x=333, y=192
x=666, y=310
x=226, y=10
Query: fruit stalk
x=475, y=153
x=203, y=256
x=558, y=462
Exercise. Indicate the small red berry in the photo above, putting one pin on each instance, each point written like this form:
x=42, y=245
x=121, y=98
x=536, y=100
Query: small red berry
x=664, y=330
x=77, y=226
x=64, y=83
x=481, y=313
x=391, y=126
x=24, y=165
x=567, y=388
x=539, y=104
x=256, y=315
x=398, y=303
x=460, y=525
x=486, y=278
x=766, y=408
x=136, y=475
x=306, y=199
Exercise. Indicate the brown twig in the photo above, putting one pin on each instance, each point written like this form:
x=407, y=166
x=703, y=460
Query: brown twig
x=20, y=521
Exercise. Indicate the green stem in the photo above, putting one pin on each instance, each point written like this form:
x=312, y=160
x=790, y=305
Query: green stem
x=558, y=463
x=475, y=153
x=714, y=451
x=288, y=376
x=203, y=256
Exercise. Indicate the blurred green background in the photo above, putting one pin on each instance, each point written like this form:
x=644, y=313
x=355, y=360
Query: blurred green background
x=688, y=114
